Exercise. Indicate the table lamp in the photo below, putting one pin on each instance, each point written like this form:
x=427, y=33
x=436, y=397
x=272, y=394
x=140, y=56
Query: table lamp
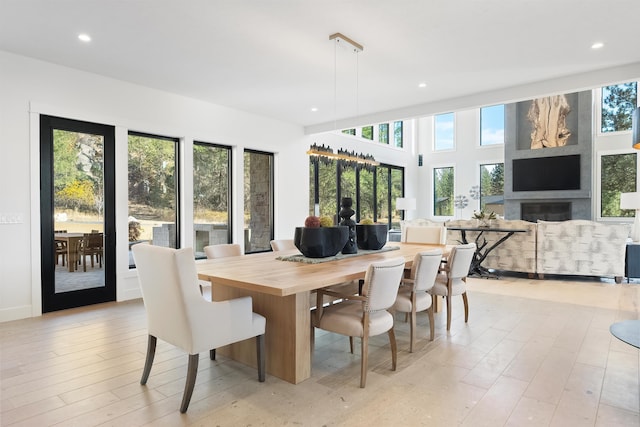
x=632, y=201
x=405, y=203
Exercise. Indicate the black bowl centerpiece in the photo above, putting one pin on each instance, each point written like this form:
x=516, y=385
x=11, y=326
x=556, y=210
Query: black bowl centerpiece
x=315, y=241
x=371, y=236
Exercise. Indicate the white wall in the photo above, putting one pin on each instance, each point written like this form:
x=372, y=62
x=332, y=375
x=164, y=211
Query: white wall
x=466, y=158
x=30, y=87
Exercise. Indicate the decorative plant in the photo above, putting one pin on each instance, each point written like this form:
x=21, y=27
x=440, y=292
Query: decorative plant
x=312, y=222
x=326, y=221
x=484, y=215
x=366, y=221
x=134, y=231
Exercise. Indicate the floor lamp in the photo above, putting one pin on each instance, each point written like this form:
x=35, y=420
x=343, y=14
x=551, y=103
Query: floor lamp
x=632, y=201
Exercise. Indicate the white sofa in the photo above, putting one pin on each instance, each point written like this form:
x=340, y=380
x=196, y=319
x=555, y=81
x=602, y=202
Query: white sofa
x=581, y=247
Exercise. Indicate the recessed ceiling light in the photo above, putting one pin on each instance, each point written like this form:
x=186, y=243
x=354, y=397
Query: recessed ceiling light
x=84, y=37
x=421, y=85
x=314, y=109
x=597, y=45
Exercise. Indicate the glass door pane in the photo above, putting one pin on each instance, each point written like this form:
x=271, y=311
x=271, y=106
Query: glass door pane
x=78, y=210
x=258, y=201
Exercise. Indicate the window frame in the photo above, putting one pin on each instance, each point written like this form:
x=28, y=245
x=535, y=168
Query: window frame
x=271, y=196
x=433, y=192
x=481, y=128
x=597, y=95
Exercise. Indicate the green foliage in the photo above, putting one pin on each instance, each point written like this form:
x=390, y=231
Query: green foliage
x=618, y=103
x=210, y=179
x=152, y=178
x=443, y=183
x=618, y=175
x=366, y=221
x=77, y=195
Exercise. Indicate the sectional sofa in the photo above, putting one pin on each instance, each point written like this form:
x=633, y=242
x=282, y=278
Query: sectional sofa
x=574, y=247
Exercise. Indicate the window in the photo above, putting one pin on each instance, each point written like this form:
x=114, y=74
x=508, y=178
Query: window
x=211, y=196
x=492, y=125
x=383, y=133
x=349, y=131
x=397, y=134
x=443, y=191
x=153, y=196
x=373, y=190
x=492, y=188
x=367, y=132
x=618, y=103
x=443, y=132
x=258, y=201
x=618, y=174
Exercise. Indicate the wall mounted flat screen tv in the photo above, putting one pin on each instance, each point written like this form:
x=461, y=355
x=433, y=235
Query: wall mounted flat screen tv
x=547, y=173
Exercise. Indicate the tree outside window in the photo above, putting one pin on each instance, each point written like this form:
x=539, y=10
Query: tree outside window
x=443, y=182
x=383, y=133
x=492, y=187
x=618, y=174
x=397, y=134
x=367, y=132
x=618, y=103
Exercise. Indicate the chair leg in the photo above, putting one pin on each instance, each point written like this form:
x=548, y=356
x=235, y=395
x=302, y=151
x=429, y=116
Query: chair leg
x=151, y=352
x=432, y=326
x=260, y=354
x=448, y=312
x=212, y=354
x=364, y=343
x=412, y=328
x=192, y=371
x=394, y=349
x=351, y=344
x=466, y=307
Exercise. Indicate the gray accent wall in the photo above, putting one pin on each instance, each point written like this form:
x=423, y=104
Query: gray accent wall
x=517, y=146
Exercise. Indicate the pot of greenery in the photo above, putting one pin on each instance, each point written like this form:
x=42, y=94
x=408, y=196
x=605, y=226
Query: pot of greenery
x=484, y=219
x=371, y=236
x=319, y=238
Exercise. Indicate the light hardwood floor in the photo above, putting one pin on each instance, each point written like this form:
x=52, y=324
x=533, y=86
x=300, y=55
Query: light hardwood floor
x=533, y=353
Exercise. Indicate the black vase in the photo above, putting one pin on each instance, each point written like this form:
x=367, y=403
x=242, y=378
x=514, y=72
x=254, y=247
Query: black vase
x=371, y=236
x=346, y=213
x=320, y=242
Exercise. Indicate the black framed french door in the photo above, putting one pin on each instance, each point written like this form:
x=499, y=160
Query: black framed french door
x=77, y=213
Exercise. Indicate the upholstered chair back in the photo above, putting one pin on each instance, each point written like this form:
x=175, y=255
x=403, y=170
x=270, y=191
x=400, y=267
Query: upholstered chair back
x=425, y=268
x=381, y=283
x=425, y=234
x=222, y=250
x=459, y=261
x=282, y=245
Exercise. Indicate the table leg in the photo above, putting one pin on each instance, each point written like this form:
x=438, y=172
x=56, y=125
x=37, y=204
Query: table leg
x=287, y=335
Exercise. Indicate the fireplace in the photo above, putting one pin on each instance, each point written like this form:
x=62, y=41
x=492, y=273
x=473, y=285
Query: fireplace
x=545, y=211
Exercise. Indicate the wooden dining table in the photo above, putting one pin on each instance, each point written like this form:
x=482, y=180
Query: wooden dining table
x=72, y=240
x=281, y=292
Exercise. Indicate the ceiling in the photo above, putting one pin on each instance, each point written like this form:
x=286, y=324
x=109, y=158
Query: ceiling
x=274, y=57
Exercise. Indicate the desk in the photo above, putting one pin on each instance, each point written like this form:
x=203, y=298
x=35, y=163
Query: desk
x=280, y=292
x=476, y=268
x=72, y=240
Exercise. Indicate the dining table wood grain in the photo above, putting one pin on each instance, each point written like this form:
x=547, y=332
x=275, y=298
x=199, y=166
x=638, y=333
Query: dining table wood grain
x=281, y=292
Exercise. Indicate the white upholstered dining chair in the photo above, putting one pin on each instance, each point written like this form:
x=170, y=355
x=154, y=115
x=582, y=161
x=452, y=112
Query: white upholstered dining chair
x=282, y=245
x=454, y=280
x=365, y=315
x=434, y=234
x=413, y=295
x=177, y=313
x=222, y=250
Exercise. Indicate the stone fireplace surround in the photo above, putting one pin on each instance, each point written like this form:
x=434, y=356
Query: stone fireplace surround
x=517, y=146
